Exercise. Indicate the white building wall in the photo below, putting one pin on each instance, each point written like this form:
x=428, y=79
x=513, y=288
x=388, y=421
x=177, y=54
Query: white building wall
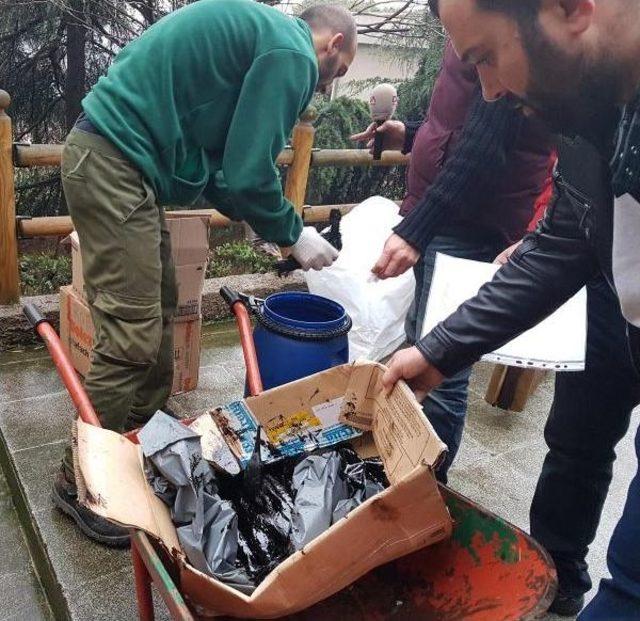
x=374, y=61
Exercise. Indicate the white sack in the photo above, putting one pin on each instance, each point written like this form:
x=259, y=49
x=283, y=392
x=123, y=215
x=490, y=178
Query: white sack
x=377, y=307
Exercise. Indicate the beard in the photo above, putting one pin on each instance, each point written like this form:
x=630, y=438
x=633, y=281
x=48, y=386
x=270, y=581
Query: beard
x=572, y=95
x=327, y=71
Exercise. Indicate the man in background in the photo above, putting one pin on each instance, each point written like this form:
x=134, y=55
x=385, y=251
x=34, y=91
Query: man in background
x=475, y=173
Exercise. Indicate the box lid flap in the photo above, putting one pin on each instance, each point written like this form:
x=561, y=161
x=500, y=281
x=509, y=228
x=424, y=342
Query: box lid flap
x=110, y=475
x=352, y=394
x=404, y=437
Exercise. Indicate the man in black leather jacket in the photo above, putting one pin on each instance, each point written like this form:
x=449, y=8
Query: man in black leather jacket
x=574, y=62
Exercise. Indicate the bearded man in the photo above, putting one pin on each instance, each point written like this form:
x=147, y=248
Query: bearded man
x=575, y=63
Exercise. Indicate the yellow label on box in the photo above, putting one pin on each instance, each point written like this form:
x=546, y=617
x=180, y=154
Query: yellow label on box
x=280, y=429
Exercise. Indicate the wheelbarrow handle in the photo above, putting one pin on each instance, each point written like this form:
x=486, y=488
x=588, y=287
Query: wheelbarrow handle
x=65, y=369
x=238, y=304
x=230, y=296
x=32, y=313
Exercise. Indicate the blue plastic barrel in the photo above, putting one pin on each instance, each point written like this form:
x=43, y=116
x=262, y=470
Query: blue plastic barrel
x=298, y=334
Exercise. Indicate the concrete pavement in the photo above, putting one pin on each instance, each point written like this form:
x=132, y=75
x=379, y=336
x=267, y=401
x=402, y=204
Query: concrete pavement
x=498, y=466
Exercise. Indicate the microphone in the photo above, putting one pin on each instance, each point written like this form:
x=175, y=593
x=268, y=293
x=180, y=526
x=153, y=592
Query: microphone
x=382, y=104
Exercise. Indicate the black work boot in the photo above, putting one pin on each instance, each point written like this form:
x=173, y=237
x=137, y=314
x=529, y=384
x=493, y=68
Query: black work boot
x=65, y=497
x=566, y=605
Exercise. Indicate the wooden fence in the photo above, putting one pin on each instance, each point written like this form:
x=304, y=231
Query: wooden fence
x=299, y=159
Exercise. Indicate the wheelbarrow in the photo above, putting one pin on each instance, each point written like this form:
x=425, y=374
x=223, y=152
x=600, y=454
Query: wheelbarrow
x=489, y=570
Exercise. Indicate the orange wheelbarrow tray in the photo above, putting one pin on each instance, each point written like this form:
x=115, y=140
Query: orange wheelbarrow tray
x=489, y=570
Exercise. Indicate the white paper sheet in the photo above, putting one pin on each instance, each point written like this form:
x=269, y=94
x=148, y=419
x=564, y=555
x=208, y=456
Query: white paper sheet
x=557, y=343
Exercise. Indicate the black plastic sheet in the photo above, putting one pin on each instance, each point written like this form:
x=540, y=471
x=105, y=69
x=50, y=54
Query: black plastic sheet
x=178, y=474
x=239, y=528
x=264, y=517
x=364, y=478
x=319, y=486
x=328, y=486
x=211, y=542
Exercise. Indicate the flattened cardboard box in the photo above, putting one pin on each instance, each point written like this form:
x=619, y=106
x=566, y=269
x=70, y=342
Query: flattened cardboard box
x=76, y=334
x=407, y=516
x=189, y=247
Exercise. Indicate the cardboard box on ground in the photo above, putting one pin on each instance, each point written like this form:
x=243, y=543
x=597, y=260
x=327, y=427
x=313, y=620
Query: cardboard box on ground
x=76, y=334
x=408, y=515
x=189, y=246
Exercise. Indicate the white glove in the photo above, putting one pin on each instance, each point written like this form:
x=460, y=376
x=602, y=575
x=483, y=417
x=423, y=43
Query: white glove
x=312, y=251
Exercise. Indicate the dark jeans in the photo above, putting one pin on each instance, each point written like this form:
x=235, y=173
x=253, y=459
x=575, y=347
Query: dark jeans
x=618, y=599
x=446, y=406
x=589, y=416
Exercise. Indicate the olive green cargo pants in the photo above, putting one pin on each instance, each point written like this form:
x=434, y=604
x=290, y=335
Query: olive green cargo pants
x=129, y=281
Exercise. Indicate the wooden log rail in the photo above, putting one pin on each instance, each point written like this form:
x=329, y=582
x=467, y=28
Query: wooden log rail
x=299, y=159
x=59, y=226
x=31, y=155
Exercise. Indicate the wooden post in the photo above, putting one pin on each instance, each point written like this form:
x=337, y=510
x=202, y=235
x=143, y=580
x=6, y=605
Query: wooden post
x=298, y=173
x=511, y=387
x=9, y=276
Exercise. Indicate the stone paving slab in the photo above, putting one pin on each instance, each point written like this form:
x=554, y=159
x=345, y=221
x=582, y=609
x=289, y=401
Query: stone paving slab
x=497, y=466
x=16, y=385
x=84, y=580
x=111, y=598
x=22, y=598
x=21, y=595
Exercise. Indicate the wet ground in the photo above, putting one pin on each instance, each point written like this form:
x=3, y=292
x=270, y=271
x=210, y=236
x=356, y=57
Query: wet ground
x=21, y=595
x=498, y=466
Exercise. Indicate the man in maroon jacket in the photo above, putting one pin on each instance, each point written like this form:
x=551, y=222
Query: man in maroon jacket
x=475, y=173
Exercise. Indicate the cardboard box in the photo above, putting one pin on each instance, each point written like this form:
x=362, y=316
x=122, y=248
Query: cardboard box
x=186, y=355
x=77, y=333
x=189, y=239
x=190, y=282
x=511, y=387
x=190, y=250
x=407, y=516
x=77, y=278
x=76, y=329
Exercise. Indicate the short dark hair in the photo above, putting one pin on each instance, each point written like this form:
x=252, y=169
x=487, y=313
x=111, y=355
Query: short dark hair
x=434, y=6
x=520, y=10
x=332, y=17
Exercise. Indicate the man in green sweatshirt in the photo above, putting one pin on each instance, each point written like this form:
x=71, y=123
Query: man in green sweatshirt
x=200, y=105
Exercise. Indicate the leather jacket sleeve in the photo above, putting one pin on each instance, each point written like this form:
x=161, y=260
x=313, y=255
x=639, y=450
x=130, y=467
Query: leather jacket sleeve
x=549, y=267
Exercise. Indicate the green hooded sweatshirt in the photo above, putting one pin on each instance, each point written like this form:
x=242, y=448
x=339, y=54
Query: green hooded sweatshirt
x=204, y=101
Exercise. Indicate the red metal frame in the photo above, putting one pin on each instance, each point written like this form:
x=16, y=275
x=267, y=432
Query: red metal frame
x=481, y=552
x=254, y=380
x=148, y=569
x=67, y=373
x=142, y=579
x=147, y=566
